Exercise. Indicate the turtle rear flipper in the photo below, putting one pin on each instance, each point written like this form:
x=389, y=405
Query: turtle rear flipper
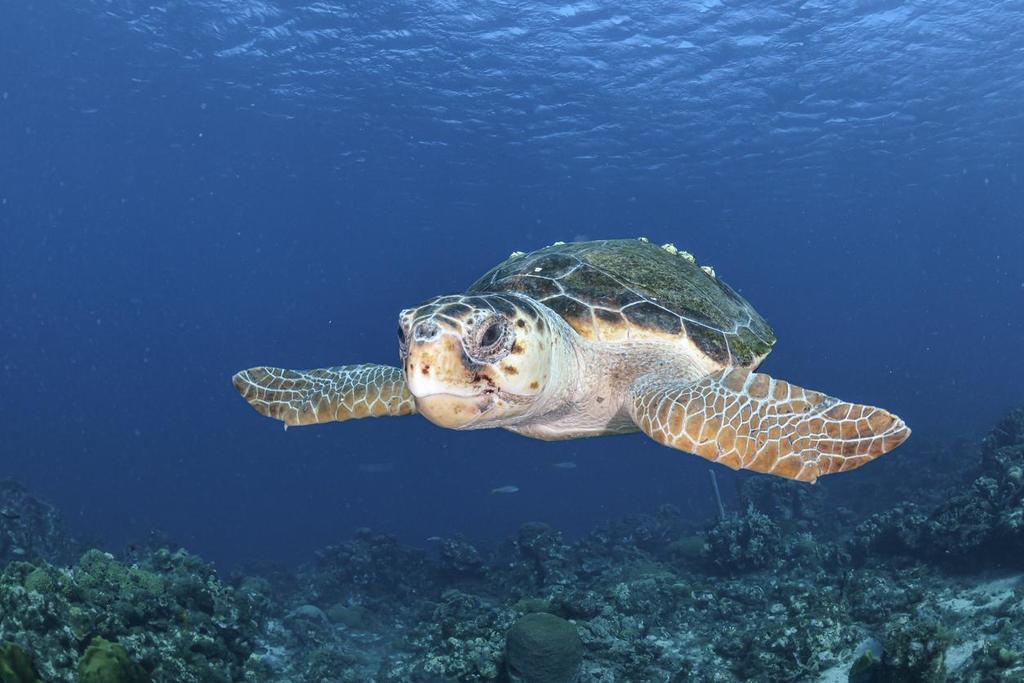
x=302, y=397
x=748, y=420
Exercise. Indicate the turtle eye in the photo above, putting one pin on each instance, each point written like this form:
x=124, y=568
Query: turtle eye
x=490, y=340
x=491, y=335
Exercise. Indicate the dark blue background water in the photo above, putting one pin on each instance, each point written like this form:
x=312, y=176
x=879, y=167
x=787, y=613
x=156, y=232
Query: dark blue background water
x=198, y=187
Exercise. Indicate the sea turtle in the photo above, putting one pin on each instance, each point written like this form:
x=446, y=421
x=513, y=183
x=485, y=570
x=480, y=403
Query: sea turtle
x=588, y=339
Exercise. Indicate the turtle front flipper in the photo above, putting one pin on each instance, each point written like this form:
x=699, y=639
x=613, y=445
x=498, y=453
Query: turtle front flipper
x=748, y=420
x=302, y=397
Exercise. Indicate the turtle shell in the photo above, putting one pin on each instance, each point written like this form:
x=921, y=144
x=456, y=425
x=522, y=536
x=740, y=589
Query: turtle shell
x=618, y=290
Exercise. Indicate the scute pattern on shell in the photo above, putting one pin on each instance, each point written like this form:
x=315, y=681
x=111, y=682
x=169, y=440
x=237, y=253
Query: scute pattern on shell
x=614, y=290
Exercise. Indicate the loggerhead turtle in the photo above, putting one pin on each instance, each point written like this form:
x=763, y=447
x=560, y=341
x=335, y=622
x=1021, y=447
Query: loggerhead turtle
x=589, y=339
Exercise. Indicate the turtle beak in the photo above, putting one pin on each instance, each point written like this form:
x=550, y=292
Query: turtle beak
x=441, y=378
x=433, y=365
x=442, y=386
x=454, y=412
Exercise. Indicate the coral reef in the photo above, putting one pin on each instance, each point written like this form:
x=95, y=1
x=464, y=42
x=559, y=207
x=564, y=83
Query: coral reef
x=543, y=648
x=31, y=529
x=977, y=528
x=793, y=586
x=911, y=651
x=371, y=565
x=743, y=543
x=170, y=616
x=106, y=662
x=789, y=504
x=458, y=557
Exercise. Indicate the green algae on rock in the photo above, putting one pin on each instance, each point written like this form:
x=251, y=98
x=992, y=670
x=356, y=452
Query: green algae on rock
x=107, y=662
x=16, y=665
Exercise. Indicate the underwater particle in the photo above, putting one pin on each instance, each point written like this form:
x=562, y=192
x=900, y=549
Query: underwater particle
x=107, y=662
x=16, y=665
x=543, y=648
x=506, y=489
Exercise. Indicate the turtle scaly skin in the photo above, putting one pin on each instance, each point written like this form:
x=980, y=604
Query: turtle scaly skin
x=326, y=395
x=591, y=339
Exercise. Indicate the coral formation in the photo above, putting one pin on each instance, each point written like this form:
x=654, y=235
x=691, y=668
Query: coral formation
x=793, y=586
x=170, y=614
x=743, y=543
x=976, y=527
x=16, y=665
x=106, y=662
x=912, y=651
x=31, y=529
x=789, y=504
x=543, y=648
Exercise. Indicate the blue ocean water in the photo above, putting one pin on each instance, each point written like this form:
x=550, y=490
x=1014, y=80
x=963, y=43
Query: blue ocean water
x=192, y=188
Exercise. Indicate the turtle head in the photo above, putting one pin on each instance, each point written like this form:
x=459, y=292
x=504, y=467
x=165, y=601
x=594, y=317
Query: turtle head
x=475, y=361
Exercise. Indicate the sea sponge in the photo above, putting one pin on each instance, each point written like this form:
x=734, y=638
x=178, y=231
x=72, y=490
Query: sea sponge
x=543, y=648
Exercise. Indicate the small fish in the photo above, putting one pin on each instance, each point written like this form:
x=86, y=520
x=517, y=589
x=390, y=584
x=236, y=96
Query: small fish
x=567, y=465
x=506, y=489
x=9, y=514
x=434, y=539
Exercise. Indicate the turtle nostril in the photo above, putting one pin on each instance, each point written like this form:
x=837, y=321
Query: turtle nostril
x=426, y=331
